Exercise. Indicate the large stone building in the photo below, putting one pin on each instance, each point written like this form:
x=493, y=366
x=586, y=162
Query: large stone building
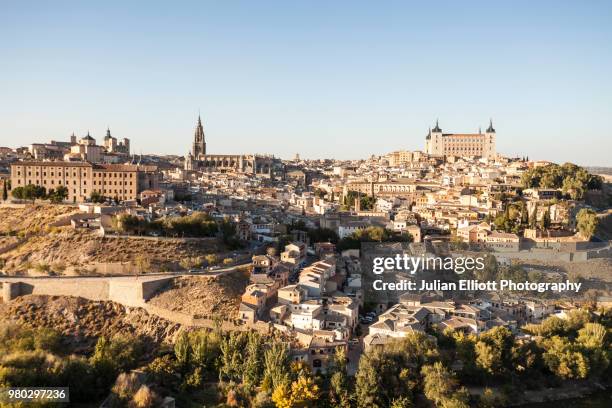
x=461, y=144
x=124, y=182
x=401, y=157
x=83, y=149
x=113, y=146
x=198, y=160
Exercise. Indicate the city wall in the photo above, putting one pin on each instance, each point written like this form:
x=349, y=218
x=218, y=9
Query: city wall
x=133, y=292
x=128, y=291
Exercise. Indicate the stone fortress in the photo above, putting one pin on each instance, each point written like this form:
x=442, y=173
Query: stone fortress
x=461, y=144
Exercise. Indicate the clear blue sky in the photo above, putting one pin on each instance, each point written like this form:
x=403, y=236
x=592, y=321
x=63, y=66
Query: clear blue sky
x=326, y=79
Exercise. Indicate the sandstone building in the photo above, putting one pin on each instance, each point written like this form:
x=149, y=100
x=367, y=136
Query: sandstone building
x=461, y=144
x=121, y=181
x=199, y=160
x=83, y=149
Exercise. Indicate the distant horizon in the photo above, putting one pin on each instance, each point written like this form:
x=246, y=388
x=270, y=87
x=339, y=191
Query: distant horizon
x=137, y=152
x=325, y=80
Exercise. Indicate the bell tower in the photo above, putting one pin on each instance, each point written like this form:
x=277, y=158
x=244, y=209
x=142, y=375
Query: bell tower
x=199, y=142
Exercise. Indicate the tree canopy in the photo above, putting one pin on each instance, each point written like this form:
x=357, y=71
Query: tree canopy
x=573, y=180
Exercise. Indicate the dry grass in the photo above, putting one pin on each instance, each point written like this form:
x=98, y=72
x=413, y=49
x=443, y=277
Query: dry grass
x=50, y=250
x=83, y=321
x=202, y=296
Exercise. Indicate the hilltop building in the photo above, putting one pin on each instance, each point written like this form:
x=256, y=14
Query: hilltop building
x=198, y=159
x=112, y=146
x=81, y=178
x=83, y=149
x=461, y=144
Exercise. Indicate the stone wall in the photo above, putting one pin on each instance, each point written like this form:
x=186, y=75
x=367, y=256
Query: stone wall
x=129, y=291
x=88, y=289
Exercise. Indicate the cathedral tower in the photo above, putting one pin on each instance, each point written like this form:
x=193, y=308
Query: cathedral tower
x=199, y=143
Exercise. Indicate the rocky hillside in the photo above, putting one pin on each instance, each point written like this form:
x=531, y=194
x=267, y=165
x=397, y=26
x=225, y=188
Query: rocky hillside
x=42, y=249
x=31, y=219
x=203, y=296
x=83, y=321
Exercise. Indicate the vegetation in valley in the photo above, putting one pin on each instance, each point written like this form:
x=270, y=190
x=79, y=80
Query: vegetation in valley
x=251, y=369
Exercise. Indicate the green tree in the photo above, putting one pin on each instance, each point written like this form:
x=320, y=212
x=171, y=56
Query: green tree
x=120, y=353
x=58, y=195
x=211, y=259
x=17, y=193
x=565, y=359
x=439, y=383
x=339, y=394
x=494, y=350
x=571, y=179
x=594, y=339
x=276, y=363
x=96, y=197
x=29, y=192
x=232, y=356
x=252, y=372
x=586, y=223
x=384, y=375
x=545, y=223
x=182, y=350
x=402, y=402
x=369, y=389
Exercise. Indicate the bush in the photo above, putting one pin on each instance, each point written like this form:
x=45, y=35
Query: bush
x=126, y=386
x=144, y=398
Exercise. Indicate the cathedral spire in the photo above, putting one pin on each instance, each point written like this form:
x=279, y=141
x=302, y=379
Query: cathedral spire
x=199, y=142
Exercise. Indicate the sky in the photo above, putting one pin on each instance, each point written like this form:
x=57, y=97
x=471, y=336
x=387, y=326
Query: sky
x=323, y=79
